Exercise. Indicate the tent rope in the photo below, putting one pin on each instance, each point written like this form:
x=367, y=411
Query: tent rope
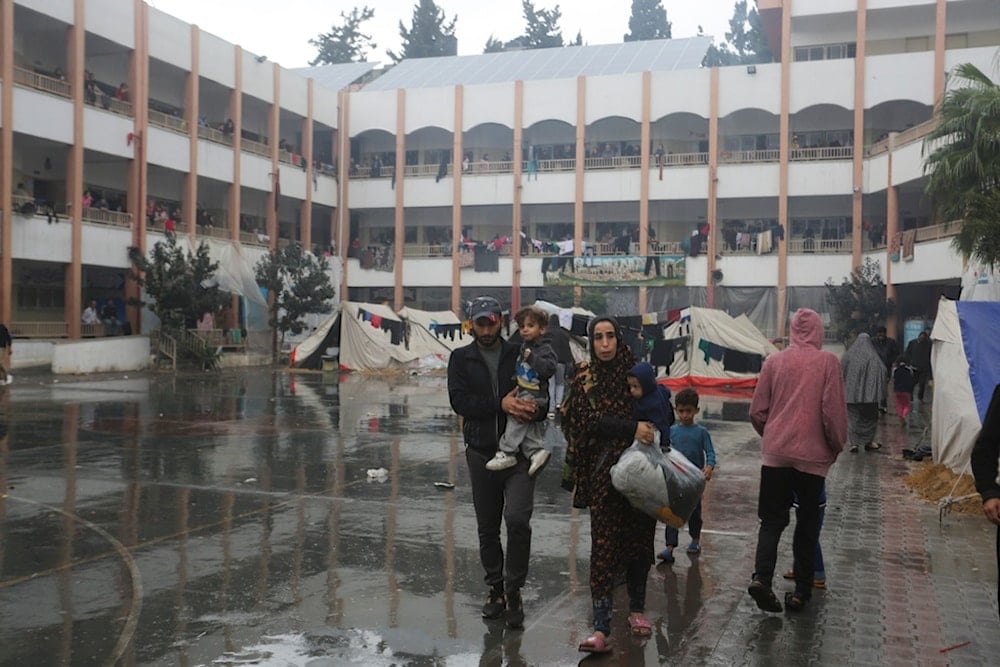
x=944, y=505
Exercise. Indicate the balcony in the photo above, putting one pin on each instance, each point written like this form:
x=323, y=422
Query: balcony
x=167, y=121
x=802, y=246
x=102, y=216
x=941, y=231
x=214, y=135
x=907, y=136
x=41, y=82
x=255, y=147
x=765, y=155
x=825, y=153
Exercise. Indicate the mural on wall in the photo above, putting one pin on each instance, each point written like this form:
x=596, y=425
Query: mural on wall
x=631, y=270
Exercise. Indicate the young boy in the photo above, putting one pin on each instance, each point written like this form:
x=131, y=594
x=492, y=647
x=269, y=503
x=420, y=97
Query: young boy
x=904, y=379
x=536, y=364
x=693, y=441
x=652, y=400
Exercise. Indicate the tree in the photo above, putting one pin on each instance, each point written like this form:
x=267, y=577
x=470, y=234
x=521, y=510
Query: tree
x=648, y=21
x=541, y=31
x=181, y=285
x=345, y=43
x=429, y=35
x=745, y=42
x=859, y=303
x=299, y=284
x=963, y=165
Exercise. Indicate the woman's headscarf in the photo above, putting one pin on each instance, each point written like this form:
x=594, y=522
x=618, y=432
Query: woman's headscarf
x=864, y=372
x=604, y=384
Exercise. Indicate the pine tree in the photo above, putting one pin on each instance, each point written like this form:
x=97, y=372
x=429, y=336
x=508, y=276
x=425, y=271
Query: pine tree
x=429, y=36
x=648, y=21
x=345, y=43
x=300, y=285
x=541, y=31
x=745, y=42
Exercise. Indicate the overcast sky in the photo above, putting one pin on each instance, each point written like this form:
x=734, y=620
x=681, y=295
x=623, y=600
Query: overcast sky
x=281, y=29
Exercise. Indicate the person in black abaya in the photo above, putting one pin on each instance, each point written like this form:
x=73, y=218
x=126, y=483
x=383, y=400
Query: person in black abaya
x=985, y=463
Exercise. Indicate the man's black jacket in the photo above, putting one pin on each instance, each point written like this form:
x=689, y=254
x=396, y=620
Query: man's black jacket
x=475, y=399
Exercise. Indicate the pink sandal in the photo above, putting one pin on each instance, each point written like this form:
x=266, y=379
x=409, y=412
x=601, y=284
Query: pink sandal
x=639, y=625
x=596, y=644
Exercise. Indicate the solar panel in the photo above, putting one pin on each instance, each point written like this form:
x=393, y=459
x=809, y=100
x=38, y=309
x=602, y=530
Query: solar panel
x=336, y=76
x=542, y=64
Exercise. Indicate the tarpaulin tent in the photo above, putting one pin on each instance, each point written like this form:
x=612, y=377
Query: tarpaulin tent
x=439, y=330
x=713, y=349
x=965, y=358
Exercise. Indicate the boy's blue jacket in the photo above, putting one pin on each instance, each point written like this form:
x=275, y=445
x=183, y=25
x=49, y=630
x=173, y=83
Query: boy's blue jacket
x=654, y=406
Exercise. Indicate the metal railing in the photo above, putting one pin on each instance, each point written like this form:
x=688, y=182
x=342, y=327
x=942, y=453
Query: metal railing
x=614, y=162
x=252, y=238
x=214, y=135
x=167, y=121
x=41, y=82
x=561, y=164
x=765, y=155
x=425, y=170
x=825, y=153
x=679, y=159
x=255, y=147
x=105, y=217
x=426, y=250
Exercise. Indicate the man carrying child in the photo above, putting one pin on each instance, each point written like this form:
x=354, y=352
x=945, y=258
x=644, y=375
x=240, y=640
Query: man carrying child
x=536, y=363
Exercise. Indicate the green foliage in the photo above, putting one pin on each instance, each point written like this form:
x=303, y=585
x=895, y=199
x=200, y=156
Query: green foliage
x=745, y=43
x=181, y=284
x=963, y=165
x=299, y=285
x=429, y=35
x=648, y=21
x=344, y=43
x=594, y=301
x=858, y=304
x=541, y=31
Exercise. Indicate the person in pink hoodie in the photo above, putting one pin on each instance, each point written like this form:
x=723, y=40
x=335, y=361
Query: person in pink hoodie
x=800, y=412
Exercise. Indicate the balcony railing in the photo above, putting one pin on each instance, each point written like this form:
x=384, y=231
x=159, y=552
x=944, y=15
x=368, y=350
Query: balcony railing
x=214, y=135
x=40, y=329
x=826, y=153
x=615, y=162
x=915, y=133
x=942, y=231
x=766, y=155
x=799, y=246
x=255, y=147
x=41, y=82
x=103, y=216
x=679, y=159
x=115, y=105
x=253, y=238
x=167, y=121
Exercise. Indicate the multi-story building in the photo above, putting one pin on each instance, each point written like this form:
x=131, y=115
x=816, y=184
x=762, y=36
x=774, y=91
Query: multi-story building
x=787, y=174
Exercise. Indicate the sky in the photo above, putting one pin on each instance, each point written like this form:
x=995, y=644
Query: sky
x=281, y=30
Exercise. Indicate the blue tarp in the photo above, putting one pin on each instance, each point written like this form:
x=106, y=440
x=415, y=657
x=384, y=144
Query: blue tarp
x=980, y=326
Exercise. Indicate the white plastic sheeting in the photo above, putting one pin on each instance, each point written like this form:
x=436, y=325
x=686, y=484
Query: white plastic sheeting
x=954, y=418
x=422, y=330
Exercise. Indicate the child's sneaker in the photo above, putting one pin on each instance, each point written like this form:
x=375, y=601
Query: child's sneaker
x=667, y=555
x=501, y=461
x=538, y=461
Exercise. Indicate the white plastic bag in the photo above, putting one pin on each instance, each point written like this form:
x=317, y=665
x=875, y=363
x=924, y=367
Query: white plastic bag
x=664, y=485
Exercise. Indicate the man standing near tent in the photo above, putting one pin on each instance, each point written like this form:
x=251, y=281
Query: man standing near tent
x=482, y=390
x=888, y=350
x=919, y=353
x=985, y=465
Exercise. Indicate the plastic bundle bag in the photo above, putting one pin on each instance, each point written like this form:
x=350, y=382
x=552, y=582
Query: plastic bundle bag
x=664, y=485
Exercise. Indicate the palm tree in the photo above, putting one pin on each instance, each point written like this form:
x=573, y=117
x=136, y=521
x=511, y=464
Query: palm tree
x=963, y=164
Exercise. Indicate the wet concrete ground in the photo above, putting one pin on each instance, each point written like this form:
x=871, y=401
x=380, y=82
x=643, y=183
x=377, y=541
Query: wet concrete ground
x=230, y=519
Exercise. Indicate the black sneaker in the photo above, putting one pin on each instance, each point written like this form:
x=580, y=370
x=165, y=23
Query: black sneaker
x=496, y=604
x=515, y=610
x=764, y=596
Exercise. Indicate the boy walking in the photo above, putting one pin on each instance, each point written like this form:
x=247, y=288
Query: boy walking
x=536, y=363
x=904, y=379
x=693, y=441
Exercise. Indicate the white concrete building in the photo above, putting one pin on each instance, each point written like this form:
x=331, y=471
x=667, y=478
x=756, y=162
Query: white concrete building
x=795, y=170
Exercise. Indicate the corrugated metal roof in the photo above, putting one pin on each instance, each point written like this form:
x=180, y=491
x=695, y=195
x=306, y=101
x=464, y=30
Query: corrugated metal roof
x=337, y=76
x=540, y=64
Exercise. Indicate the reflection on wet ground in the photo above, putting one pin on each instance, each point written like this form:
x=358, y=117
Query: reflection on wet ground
x=231, y=519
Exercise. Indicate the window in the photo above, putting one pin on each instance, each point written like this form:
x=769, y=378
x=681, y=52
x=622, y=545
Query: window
x=825, y=52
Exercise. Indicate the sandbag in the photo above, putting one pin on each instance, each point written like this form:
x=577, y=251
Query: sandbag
x=664, y=485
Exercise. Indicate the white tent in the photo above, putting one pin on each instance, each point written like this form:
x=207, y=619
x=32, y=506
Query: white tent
x=965, y=357
x=716, y=350
x=439, y=330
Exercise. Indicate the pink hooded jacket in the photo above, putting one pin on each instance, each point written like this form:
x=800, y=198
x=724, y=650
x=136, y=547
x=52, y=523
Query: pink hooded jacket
x=799, y=407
